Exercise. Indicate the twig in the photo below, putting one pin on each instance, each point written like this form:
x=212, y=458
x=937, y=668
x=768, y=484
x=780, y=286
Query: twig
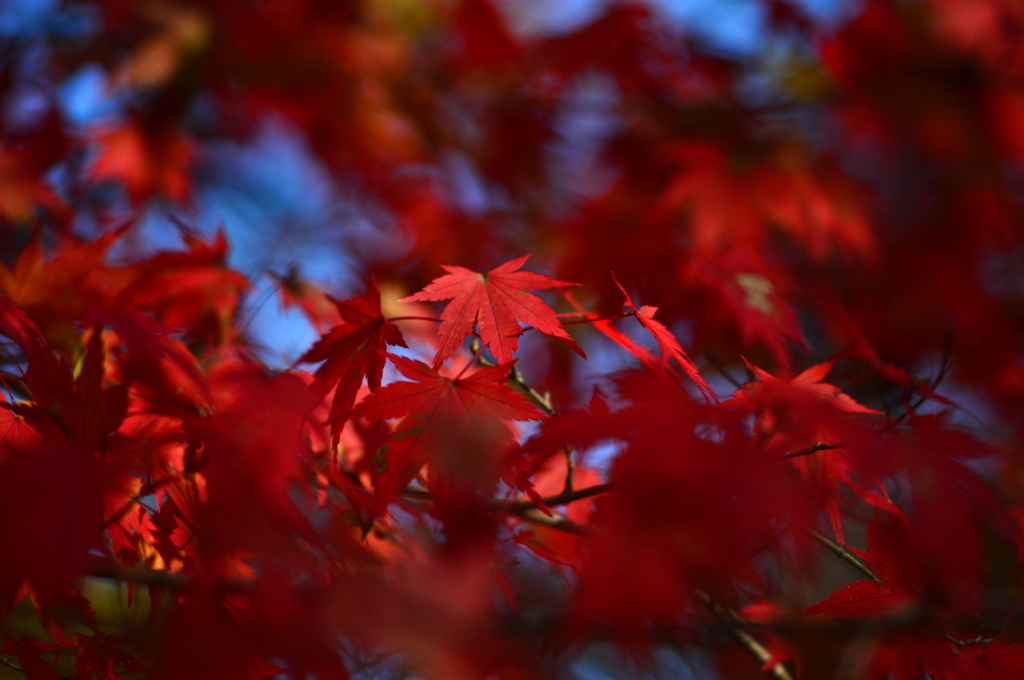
x=570, y=470
x=980, y=640
x=751, y=643
x=810, y=450
x=947, y=363
x=555, y=522
x=543, y=400
x=716, y=364
x=11, y=664
x=843, y=554
x=146, y=490
x=515, y=506
x=99, y=567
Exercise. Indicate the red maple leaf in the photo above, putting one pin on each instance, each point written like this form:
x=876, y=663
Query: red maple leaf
x=148, y=162
x=806, y=412
x=668, y=344
x=864, y=599
x=998, y=660
x=435, y=403
x=314, y=303
x=811, y=379
x=496, y=301
x=354, y=349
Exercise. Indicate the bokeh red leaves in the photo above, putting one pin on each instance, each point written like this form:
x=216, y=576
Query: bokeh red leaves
x=847, y=190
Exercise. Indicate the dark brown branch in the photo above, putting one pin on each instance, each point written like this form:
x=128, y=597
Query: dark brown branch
x=717, y=364
x=529, y=510
x=844, y=554
x=99, y=567
x=810, y=450
x=944, y=367
x=751, y=643
x=516, y=506
x=514, y=376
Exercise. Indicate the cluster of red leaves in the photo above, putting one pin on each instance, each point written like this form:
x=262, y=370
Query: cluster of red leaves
x=440, y=504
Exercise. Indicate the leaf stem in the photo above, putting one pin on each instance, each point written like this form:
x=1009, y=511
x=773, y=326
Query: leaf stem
x=592, y=319
x=469, y=363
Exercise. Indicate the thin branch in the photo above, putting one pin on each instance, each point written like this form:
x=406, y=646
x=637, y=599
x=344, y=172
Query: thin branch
x=543, y=400
x=514, y=376
x=146, y=490
x=810, y=450
x=515, y=506
x=555, y=522
x=717, y=364
x=102, y=568
x=563, y=498
x=99, y=567
x=570, y=470
x=980, y=640
x=843, y=554
x=751, y=643
x=944, y=367
x=255, y=309
x=11, y=664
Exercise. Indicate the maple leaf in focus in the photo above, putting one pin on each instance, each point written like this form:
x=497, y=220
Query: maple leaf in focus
x=432, y=404
x=354, y=349
x=668, y=344
x=496, y=301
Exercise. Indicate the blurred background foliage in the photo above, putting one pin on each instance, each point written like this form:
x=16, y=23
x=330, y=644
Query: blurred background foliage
x=785, y=179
